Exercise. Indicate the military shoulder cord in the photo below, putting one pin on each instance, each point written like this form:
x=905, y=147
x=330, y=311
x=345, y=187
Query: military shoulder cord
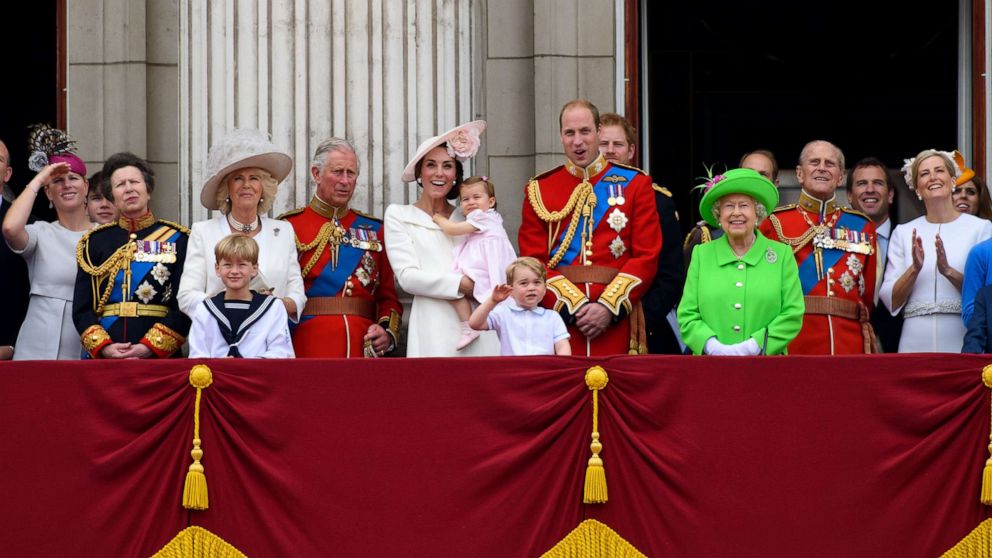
x=117, y=261
x=582, y=196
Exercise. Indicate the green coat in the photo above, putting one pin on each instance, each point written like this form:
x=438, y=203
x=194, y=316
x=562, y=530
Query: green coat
x=739, y=298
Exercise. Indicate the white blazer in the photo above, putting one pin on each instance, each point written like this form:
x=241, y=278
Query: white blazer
x=278, y=267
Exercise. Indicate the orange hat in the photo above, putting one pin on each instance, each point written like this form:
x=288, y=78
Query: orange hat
x=966, y=173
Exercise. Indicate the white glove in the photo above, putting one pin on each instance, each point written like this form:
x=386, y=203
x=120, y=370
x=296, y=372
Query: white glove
x=714, y=347
x=744, y=348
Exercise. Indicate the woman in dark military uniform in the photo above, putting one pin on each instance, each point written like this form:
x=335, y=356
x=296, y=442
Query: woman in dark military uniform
x=125, y=298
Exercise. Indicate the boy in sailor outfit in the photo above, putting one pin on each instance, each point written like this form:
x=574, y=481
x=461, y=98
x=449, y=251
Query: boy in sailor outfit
x=239, y=322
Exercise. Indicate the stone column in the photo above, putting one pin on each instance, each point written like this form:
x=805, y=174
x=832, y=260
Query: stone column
x=383, y=74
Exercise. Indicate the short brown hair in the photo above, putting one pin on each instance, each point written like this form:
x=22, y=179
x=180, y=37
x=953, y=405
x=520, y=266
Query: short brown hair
x=473, y=180
x=584, y=103
x=526, y=262
x=614, y=119
x=766, y=154
x=236, y=247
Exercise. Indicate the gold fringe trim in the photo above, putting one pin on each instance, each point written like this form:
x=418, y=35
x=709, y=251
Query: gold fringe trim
x=978, y=543
x=195, y=495
x=986, y=495
x=197, y=542
x=592, y=539
x=594, y=491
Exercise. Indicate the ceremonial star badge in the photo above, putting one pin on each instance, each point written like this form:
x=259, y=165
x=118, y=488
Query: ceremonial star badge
x=617, y=247
x=617, y=220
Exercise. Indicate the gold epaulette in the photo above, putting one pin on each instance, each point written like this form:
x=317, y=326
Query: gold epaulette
x=86, y=235
x=175, y=225
x=853, y=211
x=661, y=190
x=785, y=207
x=631, y=167
x=291, y=212
x=367, y=215
x=546, y=173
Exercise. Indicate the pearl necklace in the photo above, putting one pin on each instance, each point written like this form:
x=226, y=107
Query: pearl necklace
x=242, y=227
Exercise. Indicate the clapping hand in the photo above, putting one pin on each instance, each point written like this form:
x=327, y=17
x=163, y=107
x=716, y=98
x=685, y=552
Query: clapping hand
x=918, y=251
x=501, y=292
x=942, y=266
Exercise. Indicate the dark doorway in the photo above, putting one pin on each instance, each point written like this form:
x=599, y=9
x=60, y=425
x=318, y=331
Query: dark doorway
x=725, y=78
x=30, y=92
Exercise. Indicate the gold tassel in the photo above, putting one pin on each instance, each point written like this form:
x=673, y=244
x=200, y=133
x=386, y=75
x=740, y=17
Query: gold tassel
x=987, y=472
x=195, y=491
x=595, y=486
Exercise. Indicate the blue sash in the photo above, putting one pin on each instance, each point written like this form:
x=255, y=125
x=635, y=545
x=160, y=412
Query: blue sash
x=807, y=267
x=139, y=270
x=602, y=190
x=331, y=281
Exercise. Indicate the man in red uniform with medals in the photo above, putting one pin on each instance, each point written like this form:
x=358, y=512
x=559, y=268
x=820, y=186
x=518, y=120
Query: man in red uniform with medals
x=595, y=226
x=835, y=251
x=352, y=309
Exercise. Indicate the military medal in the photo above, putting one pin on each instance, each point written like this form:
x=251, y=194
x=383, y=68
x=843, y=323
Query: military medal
x=617, y=247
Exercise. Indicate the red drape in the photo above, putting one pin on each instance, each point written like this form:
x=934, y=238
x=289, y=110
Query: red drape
x=704, y=456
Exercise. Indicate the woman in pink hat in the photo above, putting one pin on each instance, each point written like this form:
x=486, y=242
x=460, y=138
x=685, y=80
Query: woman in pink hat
x=244, y=171
x=50, y=248
x=421, y=254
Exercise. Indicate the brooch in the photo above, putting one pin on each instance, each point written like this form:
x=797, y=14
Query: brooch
x=770, y=256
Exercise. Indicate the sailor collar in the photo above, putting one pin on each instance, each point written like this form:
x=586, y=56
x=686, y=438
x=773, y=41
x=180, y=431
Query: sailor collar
x=594, y=168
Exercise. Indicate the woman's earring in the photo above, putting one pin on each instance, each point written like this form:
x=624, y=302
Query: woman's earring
x=261, y=200
x=419, y=181
x=227, y=200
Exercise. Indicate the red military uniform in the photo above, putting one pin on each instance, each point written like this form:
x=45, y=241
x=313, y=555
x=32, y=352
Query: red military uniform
x=597, y=231
x=835, y=251
x=349, y=283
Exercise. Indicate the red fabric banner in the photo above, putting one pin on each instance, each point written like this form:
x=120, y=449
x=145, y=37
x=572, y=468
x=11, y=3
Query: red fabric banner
x=704, y=456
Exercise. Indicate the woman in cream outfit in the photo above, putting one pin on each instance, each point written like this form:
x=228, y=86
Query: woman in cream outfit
x=421, y=254
x=245, y=170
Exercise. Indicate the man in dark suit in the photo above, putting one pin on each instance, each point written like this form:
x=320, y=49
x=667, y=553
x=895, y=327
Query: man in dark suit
x=870, y=192
x=13, y=271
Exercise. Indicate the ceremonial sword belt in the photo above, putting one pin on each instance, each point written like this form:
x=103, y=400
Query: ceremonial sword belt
x=337, y=306
x=134, y=310
x=839, y=307
x=598, y=274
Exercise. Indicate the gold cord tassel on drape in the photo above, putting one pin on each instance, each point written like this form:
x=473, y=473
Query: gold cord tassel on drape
x=595, y=487
x=987, y=472
x=195, y=492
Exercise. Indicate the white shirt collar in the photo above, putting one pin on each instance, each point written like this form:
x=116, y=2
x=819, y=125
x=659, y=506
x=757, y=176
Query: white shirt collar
x=539, y=310
x=884, y=229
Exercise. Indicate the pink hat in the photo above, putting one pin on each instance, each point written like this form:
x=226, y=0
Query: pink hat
x=463, y=143
x=76, y=164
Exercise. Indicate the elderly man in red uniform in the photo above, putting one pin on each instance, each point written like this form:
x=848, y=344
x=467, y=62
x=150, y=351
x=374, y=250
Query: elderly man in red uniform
x=835, y=251
x=595, y=226
x=352, y=309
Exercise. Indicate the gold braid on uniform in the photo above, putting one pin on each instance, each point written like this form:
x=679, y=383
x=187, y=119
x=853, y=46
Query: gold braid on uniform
x=798, y=242
x=582, y=197
x=116, y=262
x=319, y=242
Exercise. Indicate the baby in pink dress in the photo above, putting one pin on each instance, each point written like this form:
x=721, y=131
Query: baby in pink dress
x=486, y=251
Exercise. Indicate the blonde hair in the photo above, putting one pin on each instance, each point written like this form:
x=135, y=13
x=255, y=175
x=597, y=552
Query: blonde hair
x=269, y=188
x=474, y=180
x=526, y=262
x=236, y=247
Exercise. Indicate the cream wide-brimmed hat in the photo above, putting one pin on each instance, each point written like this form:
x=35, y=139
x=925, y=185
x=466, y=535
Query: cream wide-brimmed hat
x=242, y=148
x=463, y=143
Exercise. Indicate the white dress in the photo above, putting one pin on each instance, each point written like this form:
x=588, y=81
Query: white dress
x=932, y=313
x=48, y=332
x=278, y=267
x=421, y=257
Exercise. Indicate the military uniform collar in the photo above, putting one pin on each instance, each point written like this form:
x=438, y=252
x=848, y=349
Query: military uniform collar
x=131, y=225
x=816, y=205
x=324, y=209
x=594, y=168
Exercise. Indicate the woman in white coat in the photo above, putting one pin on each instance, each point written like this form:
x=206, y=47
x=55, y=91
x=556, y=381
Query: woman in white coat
x=421, y=254
x=244, y=170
